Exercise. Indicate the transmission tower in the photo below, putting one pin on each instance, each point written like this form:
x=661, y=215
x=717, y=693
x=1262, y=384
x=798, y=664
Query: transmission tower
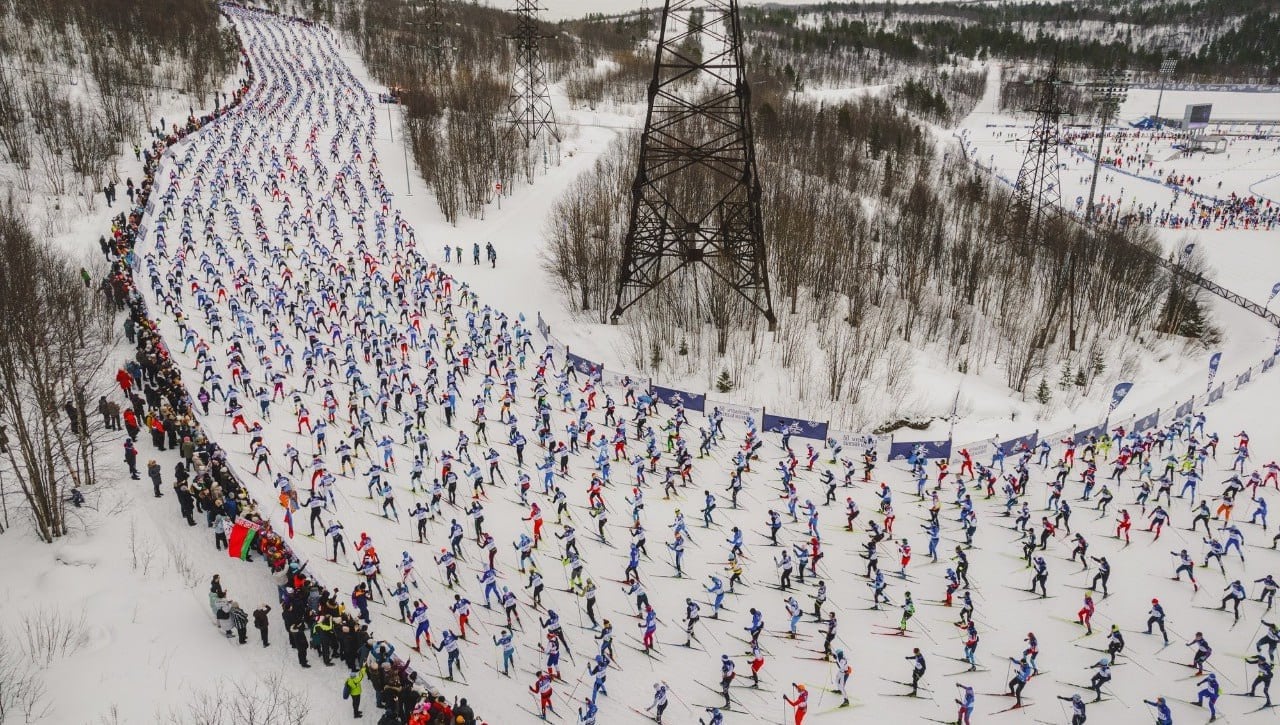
x=1037, y=193
x=696, y=194
x=529, y=107
x=435, y=45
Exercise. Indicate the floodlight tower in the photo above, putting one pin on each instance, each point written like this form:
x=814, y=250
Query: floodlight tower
x=1110, y=90
x=1167, y=68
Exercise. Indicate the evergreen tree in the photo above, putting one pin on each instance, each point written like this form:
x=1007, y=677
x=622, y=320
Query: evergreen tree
x=723, y=383
x=1043, y=395
x=1097, y=363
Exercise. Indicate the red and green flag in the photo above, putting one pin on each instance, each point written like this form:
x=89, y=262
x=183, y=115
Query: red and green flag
x=240, y=542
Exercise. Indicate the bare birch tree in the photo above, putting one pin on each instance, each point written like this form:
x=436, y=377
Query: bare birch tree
x=53, y=352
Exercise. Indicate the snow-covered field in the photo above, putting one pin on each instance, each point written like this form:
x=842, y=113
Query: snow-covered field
x=360, y=303
x=1245, y=260
x=140, y=575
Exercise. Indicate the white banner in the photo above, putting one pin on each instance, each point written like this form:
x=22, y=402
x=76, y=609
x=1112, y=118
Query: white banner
x=736, y=412
x=618, y=380
x=980, y=450
x=859, y=441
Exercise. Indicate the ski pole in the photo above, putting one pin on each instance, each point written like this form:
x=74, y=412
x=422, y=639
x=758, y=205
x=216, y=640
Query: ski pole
x=576, y=685
x=677, y=696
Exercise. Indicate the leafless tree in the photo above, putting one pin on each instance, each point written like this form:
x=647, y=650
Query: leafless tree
x=245, y=701
x=22, y=694
x=47, y=635
x=53, y=353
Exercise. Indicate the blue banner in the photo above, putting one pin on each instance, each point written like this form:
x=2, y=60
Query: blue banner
x=583, y=365
x=543, y=327
x=1082, y=437
x=795, y=426
x=1117, y=395
x=1146, y=422
x=1185, y=409
x=932, y=449
x=1015, y=446
x=1275, y=290
x=674, y=398
x=1216, y=393
x=1214, y=360
x=1266, y=364
x=1243, y=378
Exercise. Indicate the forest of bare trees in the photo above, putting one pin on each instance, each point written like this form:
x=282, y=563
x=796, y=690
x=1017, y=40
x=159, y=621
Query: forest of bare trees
x=54, y=347
x=80, y=78
x=879, y=246
x=453, y=76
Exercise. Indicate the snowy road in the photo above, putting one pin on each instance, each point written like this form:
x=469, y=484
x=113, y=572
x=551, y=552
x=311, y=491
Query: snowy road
x=302, y=289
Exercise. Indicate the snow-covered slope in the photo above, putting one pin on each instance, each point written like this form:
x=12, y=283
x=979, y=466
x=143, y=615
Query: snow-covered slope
x=367, y=330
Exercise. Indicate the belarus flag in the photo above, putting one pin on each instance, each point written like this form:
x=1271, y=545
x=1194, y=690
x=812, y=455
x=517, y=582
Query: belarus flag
x=240, y=542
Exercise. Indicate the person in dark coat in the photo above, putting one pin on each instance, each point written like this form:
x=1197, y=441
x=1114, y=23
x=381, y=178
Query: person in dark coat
x=298, y=639
x=104, y=409
x=187, y=503
x=73, y=416
x=261, y=624
x=131, y=458
x=153, y=471
x=464, y=711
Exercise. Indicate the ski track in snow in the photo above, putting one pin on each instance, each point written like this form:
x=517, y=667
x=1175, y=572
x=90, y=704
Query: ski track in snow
x=210, y=188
